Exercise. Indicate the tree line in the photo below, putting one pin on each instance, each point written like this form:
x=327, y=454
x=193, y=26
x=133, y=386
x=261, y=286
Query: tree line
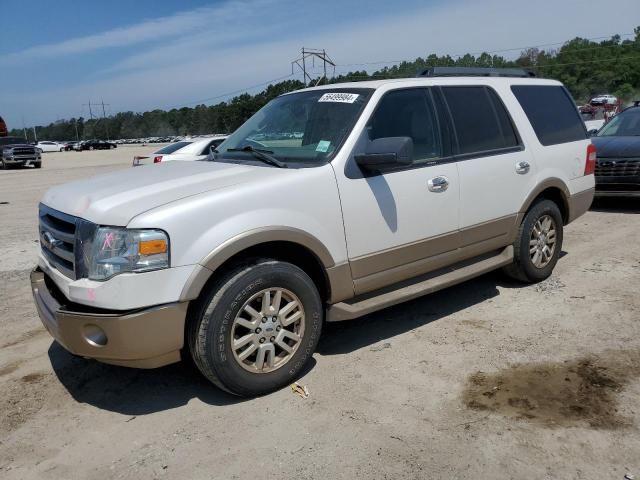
x=586, y=67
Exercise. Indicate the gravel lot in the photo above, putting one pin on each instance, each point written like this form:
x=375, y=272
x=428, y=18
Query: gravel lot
x=489, y=379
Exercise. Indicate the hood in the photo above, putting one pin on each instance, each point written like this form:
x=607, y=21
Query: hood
x=115, y=198
x=617, y=146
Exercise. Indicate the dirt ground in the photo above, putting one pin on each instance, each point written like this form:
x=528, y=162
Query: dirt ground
x=489, y=379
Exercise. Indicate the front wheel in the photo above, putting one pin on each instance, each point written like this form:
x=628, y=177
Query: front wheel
x=256, y=328
x=538, y=243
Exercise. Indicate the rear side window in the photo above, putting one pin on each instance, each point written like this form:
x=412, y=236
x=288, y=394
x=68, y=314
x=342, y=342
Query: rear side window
x=552, y=113
x=172, y=148
x=480, y=120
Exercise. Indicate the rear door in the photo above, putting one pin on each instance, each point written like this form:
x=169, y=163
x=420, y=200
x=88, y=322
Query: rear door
x=496, y=171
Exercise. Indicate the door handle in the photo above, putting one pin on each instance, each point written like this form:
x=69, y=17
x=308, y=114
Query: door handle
x=438, y=184
x=523, y=168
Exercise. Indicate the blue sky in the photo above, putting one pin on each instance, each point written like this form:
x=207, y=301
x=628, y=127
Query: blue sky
x=140, y=55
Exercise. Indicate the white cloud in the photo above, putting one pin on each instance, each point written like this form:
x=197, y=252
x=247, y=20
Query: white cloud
x=162, y=28
x=235, y=54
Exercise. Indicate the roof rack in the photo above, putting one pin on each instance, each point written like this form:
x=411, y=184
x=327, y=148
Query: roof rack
x=475, y=72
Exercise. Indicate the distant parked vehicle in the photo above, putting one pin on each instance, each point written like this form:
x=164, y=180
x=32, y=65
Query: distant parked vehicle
x=186, y=150
x=67, y=146
x=618, y=165
x=15, y=152
x=604, y=99
x=94, y=145
x=47, y=146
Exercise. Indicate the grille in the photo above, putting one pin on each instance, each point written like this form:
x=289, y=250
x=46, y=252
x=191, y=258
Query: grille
x=24, y=151
x=618, y=167
x=57, y=239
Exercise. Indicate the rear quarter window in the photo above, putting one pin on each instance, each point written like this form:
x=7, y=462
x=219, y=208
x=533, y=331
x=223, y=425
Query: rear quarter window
x=552, y=113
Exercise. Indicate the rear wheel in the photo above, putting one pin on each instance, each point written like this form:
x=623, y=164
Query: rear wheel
x=538, y=243
x=256, y=328
x=90, y=148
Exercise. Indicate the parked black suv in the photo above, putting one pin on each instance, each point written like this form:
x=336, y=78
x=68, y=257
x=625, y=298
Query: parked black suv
x=15, y=152
x=618, y=147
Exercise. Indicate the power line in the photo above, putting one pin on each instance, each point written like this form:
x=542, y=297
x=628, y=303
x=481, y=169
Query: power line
x=387, y=62
x=228, y=94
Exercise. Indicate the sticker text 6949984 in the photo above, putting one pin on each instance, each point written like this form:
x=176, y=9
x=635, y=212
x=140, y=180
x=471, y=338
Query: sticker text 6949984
x=339, y=97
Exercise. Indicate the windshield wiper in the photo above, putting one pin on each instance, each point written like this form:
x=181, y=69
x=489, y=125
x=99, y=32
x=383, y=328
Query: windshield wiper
x=264, y=155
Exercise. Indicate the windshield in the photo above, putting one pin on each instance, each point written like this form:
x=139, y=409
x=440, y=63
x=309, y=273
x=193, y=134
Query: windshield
x=12, y=140
x=172, y=148
x=306, y=128
x=624, y=124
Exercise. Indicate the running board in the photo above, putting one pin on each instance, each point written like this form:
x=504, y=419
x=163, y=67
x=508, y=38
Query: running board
x=451, y=276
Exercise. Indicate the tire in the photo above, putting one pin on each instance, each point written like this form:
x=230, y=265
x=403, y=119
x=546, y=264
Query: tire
x=37, y=165
x=213, y=327
x=61, y=149
x=90, y=148
x=3, y=165
x=523, y=267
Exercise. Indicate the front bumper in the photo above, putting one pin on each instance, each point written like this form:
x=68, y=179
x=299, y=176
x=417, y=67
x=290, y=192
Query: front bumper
x=144, y=338
x=624, y=186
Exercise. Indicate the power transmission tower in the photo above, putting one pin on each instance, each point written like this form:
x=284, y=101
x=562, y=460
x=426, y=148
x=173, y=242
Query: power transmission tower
x=312, y=54
x=104, y=115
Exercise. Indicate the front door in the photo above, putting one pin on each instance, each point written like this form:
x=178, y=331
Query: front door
x=403, y=222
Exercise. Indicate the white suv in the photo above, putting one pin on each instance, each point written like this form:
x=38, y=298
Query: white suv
x=328, y=204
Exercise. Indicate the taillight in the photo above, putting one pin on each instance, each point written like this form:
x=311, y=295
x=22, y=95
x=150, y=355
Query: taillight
x=157, y=159
x=590, y=164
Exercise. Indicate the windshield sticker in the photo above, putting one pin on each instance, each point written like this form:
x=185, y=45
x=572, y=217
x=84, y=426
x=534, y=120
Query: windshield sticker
x=323, y=146
x=339, y=97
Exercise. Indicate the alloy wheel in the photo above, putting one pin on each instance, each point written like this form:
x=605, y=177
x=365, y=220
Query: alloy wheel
x=268, y=330
x=542, y=242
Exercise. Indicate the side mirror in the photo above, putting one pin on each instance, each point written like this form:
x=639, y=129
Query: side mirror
x=592, y=132
x=386, y=152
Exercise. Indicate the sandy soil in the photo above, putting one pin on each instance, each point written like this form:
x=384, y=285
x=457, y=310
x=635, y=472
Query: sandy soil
x=489, y=379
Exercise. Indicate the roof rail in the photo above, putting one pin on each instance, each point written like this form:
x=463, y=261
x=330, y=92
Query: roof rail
x=475, y=72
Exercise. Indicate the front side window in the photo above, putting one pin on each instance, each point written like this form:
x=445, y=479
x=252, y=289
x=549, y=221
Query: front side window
x=480, y=120
x=408, y=113
x=552, y=113
x=624, y=124
x=305, y=128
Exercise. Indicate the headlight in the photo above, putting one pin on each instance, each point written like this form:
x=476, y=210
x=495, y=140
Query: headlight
x=118, y=250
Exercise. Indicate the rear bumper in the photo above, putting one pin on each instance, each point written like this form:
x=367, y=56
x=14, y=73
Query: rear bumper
x=579, y=203
x=146, y=338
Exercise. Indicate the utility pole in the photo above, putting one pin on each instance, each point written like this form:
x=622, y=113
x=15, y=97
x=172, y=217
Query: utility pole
x=24, y=130
x=104, y=117
x=75, y=124
x=35, y=135
x=312, y=53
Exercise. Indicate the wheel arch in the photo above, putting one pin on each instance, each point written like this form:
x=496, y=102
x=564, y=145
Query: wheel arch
x=288, y=244
x=552, y=189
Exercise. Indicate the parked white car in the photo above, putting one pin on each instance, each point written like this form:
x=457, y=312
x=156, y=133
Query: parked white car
x=47, y=146
x=397, y=188
x=604, y=100
x=184, y=151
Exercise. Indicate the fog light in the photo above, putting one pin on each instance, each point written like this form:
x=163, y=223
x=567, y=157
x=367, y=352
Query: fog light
x=94, y=335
